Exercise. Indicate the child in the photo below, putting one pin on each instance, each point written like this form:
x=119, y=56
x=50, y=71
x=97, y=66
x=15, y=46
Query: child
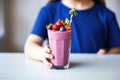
x=94, y=29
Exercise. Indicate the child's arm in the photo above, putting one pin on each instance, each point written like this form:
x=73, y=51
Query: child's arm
x=34, y=50
x=114, y=50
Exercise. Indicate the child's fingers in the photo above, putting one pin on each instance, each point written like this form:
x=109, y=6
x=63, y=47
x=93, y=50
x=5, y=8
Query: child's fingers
x=47, y=49
x=47, y=63
x=101, y=52
x=47, y=55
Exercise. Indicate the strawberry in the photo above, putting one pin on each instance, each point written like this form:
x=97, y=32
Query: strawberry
x=59, y=23
x=55, y=27
x=67, y=27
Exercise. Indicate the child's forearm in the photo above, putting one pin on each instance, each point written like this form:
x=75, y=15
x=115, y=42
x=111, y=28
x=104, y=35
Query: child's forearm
x=115, y=50
x=34, y=51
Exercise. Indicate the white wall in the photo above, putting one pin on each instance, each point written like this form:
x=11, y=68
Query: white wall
x=1, y=19
x=2, y=32
x=20, y=17
x=114, y=5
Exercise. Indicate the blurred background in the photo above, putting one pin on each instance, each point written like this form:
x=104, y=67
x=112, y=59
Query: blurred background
x=17, y=18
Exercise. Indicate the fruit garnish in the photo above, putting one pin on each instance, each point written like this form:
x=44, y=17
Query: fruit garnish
x=67, y=21
x=62, y=28
x=67, y=27
x=59, y=23
x=55, y=27
x=49, y=26
x=72, y=13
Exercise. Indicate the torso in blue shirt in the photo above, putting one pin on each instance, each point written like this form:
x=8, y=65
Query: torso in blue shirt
x=92, y=29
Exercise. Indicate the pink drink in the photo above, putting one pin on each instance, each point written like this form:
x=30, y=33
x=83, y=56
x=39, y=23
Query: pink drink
x=59, y=44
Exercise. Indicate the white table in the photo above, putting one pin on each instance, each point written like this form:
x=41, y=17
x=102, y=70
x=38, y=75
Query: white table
x=14, y=66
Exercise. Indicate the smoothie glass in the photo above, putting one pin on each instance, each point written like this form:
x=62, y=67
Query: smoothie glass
x=60, y=46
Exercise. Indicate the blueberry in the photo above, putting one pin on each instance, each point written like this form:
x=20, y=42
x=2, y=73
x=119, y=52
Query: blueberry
x=49, y=27
x=62, y=29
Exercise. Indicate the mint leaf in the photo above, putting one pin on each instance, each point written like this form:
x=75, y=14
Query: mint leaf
x=67, y=21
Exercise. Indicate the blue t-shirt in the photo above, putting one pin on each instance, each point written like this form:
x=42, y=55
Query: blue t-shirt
x=92, y=29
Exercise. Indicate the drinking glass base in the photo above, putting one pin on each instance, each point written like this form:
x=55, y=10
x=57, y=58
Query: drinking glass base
x=61, y=67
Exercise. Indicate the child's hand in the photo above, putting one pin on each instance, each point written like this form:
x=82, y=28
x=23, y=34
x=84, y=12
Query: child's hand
x=47, y=56
x=101, y=52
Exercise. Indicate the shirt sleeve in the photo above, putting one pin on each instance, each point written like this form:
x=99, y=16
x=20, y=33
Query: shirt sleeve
x=114, y=31
x=40, y=24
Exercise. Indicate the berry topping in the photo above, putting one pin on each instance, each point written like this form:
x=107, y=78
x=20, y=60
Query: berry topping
x=49, y=26
x=62, y=29
x=55, y=27
x=67, y=27
x=59, y=23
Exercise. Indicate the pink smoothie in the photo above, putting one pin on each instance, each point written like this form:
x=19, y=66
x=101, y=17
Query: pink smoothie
x=59, y=44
